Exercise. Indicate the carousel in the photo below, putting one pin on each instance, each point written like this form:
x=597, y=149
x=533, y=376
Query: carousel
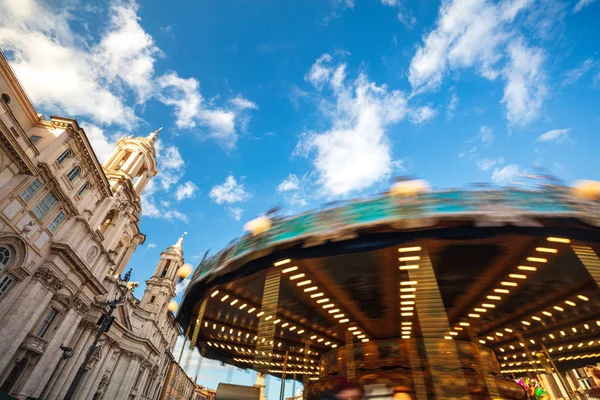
x=414, y=294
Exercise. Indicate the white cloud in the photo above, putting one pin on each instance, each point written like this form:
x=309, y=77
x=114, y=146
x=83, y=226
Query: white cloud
x=126, y=51
x=555, y=135
x=290, y=183
x=152, y=245
x=482, y=35
x=236, y=212
x=525, y=89
x=229, y=192
x=183, y=95
x=170, y=164
x=186, y=190
x=452, y=104
x=243, y=104
x=422, y=115
x=152, y=210
x=293, y=190
x=486, y=135
x=407, y=19
x=102, y=145
x=487, y=163
x=575, y=74
x=581, y=4
x=354, y=153
x=94, y=76
x=506, y=175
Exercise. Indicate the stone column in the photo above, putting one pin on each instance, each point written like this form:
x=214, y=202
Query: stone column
x=44, y=367
x=92, y=379
x=20, y=319
x=70, y=369
x=118, y=375
x=129, y=379
x=117, y=231
x=145, y=376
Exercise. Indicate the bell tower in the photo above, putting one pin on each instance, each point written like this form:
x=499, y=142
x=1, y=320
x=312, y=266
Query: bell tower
x=160, y=288
x=134, y=160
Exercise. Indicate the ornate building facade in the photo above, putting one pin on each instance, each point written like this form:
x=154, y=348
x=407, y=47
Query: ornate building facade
x=68, y=227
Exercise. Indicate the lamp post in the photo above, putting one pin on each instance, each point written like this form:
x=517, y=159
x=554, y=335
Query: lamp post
x=105, y=322
x=67, y=353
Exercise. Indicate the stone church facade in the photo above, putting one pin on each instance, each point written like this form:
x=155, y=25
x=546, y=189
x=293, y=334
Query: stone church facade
x=68, y=227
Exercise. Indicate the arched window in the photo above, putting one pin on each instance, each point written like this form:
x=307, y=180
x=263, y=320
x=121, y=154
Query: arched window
x=107, y=221
x=74, y=173
x=5, y=256
x=63, y=156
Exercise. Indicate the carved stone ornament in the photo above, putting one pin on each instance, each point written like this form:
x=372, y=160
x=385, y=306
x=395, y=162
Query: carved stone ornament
x=91, y=254
x=87, y=325
x=111, y=342
x=79, y=305
x=48, y=278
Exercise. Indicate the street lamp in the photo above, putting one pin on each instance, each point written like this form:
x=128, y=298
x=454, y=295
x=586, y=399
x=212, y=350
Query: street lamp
x=105, y=323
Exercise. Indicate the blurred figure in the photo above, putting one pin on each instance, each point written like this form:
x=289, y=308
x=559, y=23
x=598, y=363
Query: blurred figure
x=345, y=390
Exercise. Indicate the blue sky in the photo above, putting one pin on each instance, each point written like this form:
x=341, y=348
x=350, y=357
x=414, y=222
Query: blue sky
x=295, y=103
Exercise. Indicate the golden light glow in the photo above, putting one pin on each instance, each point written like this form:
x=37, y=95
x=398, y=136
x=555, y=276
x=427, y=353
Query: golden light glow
x=408, y=289
x=408, y=267
x=285, y=324
x=338, y=316
x=574, y=329
x=406, y=323
x=559, y=308
x=453, y=333
x=322, y=301
x=356, y=333
x=558, y=240
x=583, y=297
x=570, y=303
x=329, y=305
x=407, y=296
x=526, y=268
x=537, y=259
x=260, y=314
x=352, y=328
x=409, y=249
x=490, y=297
x=297, y=276
x=482, y=341
x=315, y=295
x=508, y=330
x=474, y=315
x=499, y=334
x=513, y=284
x=408, y=328
x=501, y=290
x=313, y=337
x=335, y=310
x=268, y=318
x=480, y=309
x=464, y=324
x=408, y=283
x=407, y=303
x=216, y=292
x=536, y=318
x=300, y=332
x=517, y=276
x=172, y=306
x=234, y=302
x=409, y=258
x=551, y=336
x=225, y=297
x=365, y=340
x=586, y=326
x=343, y=321
x=448, y=337
x=282, y=262
x=526, y=323
x=243, y=306
x=549, y=314
x=487, y=305
x=407, y=314
x=405, y=337
x=407, y=308
x=290, y=269
x=311, y=289
x=250, y=311
x=546, y=250
x=361, y=337
x=303, y=283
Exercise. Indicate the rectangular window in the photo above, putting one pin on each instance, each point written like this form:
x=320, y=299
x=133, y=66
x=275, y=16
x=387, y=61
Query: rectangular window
x=56, y=221
x=5, y=284
x=31, y=189
x=152, y=299
x=45, y=325
x=45, y=205
x=34, y=138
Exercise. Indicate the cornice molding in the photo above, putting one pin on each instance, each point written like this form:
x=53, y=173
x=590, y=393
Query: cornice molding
x=19, y=92
x=67, y=252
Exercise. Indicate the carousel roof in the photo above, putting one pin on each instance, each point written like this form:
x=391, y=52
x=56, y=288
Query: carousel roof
x=514, y=270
